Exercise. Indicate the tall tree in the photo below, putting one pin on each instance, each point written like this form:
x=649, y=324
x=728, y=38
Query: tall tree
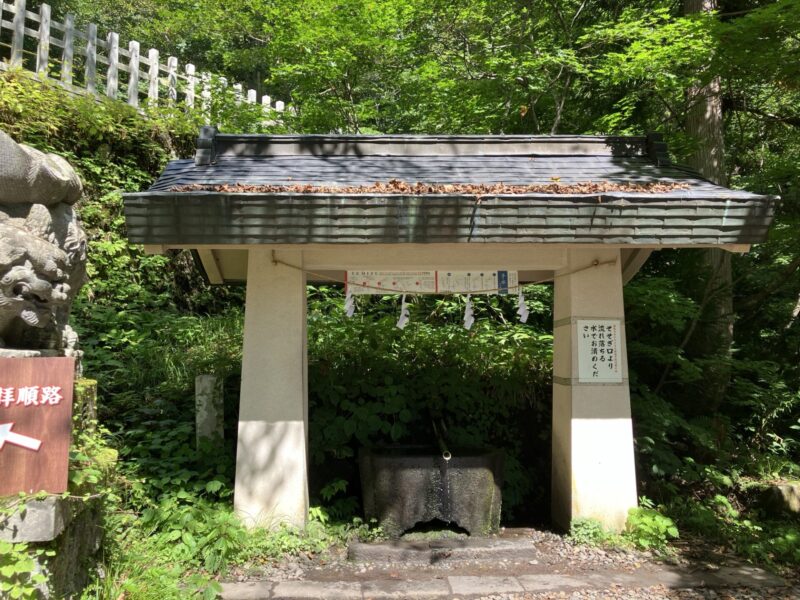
x=713, y=338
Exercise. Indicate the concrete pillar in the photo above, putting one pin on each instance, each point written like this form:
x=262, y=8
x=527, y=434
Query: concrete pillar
x=593, y=473
x=209, y=409
x=271, y=457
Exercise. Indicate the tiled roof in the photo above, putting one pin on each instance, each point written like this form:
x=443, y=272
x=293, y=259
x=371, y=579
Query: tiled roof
x=698, y=214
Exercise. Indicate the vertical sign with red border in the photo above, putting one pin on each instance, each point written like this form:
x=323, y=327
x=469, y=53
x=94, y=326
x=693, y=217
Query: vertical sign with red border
x=35, y=424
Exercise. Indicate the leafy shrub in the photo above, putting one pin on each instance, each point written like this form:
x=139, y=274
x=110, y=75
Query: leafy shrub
x=648, y=529
x=587, y=531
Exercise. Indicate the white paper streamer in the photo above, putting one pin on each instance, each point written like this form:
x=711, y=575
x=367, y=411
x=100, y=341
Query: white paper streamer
x=404, y=314
x=349, y=303
x=469, y=319
x=522, y=309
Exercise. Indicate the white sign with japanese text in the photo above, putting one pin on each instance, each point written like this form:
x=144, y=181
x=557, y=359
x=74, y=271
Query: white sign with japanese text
x=599, y=351
x=361, y=283
x=477, y=282
x=432, y=282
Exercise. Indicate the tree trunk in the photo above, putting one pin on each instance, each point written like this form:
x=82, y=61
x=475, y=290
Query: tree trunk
x=713, y=337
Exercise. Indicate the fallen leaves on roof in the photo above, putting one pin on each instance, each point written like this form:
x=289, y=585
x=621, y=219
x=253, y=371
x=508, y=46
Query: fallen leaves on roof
x=395, y=186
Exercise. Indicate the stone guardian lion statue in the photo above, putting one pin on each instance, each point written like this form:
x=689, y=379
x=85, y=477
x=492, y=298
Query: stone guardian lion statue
x=42, y=249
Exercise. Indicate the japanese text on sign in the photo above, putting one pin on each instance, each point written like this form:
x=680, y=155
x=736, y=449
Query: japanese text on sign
x=432, y=282
x=599, y=351
x=33, y=395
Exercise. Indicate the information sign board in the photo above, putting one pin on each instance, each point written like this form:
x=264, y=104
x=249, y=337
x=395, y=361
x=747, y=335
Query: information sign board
x=386, y=282
x=35, y=424
x=599, y=351
x=432, y=282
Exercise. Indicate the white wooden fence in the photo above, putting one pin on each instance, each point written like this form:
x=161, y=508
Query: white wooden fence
x=86, y=64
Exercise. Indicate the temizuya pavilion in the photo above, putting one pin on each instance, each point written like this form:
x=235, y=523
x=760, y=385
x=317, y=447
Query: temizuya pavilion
x=590, y=244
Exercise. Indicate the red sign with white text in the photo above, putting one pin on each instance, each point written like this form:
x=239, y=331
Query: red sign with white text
x=35, y=424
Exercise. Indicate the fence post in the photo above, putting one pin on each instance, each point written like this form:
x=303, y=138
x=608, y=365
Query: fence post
x=133, y=73
x=112, y=75
x=172, y=79
x=43, y=51
x=66, y=55
x=91, y=59
x=191, y=80
x=152, y=91
x=18, y=35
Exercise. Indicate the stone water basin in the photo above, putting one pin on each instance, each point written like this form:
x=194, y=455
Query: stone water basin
x=404, y=486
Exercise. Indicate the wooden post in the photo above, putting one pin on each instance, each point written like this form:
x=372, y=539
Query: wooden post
x=172, y=79
x=191, y=81
x=133, y=73
x=66, y=55
x=152, y=91
x=43, y=51
x=91, y=58
x=112, y=75
x=84, y=405
x=18, y=34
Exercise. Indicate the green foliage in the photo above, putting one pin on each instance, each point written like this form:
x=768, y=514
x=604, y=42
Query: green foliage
x=19, y=577
x=648, y=529
x=587, y=531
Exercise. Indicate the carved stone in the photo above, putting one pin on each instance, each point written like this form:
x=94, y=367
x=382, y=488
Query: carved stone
x=42, y=249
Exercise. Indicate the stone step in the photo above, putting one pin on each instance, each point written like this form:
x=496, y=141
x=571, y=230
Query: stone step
x=435, y=551
x=465, y=587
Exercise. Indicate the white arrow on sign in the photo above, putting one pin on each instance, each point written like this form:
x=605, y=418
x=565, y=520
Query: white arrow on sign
x=6, y=435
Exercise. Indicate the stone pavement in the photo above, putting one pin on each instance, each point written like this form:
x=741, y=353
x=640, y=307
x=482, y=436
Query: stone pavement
x=521, y=565
x=446, y=587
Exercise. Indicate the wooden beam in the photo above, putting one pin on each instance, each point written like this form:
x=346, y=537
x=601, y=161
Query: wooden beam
x=211, y=266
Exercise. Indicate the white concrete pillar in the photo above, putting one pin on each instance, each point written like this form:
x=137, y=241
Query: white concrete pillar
x=271, y=456
x=593, y=473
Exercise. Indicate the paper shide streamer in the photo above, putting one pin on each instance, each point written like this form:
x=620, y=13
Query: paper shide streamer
x=349, y=303
x=404, y=314
x=522, y=308
x=469, y=319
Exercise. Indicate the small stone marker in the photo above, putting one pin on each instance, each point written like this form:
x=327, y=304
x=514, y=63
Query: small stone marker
x=209, y=410
x=35, y=424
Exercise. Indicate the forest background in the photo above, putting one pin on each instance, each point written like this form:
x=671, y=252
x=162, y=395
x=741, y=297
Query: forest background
x=714, y=343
